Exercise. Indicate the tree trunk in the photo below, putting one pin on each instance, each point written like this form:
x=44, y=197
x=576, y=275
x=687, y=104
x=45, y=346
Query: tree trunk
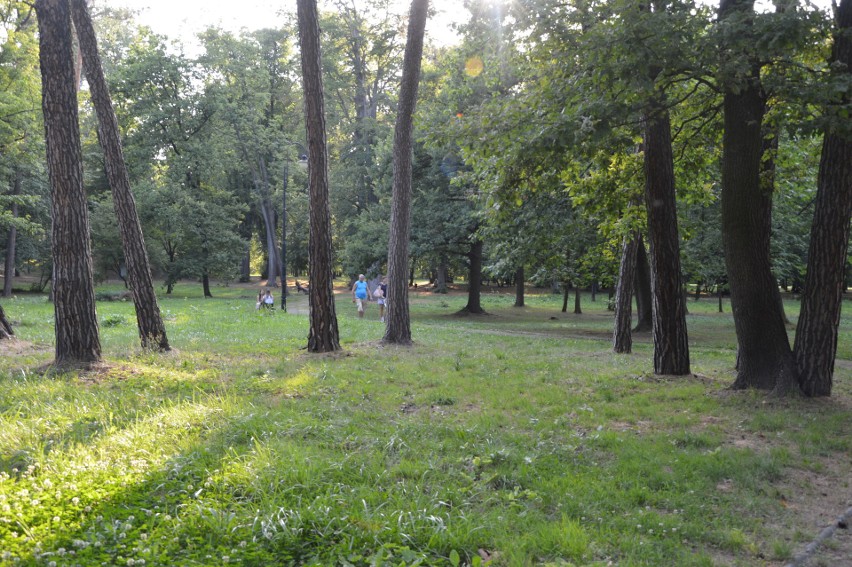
x=719, y=293
x=441, y=276
x=245, y=266
x=77, y=336
x=267, y=212
x=474, y=291
x=519, y=287
x=11, y=240
x=671, y=347
x=594, y=291
x=644, y=309
x=398, y=328
x=565, y=297
x=817, y=330
x=6, y=331
x=622, y=339
x=152, y=331
x=765, y=359
x=323, y=335
x=577, y=308
x=205, y=284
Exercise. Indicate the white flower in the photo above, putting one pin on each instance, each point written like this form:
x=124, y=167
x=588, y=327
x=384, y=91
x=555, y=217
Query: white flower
x=75, y=501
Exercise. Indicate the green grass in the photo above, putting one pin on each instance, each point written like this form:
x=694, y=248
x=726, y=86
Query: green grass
x=515, y=438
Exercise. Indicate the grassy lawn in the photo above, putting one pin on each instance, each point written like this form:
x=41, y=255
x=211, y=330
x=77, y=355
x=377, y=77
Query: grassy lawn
x=515, y=438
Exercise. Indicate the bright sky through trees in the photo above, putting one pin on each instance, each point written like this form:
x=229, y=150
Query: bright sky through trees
x=183, y=19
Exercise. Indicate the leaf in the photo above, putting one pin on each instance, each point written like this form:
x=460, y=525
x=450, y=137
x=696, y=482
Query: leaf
x=454, y=558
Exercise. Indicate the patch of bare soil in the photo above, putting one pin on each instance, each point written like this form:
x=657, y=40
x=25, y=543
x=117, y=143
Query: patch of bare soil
x=14, y=346
x=812, y=498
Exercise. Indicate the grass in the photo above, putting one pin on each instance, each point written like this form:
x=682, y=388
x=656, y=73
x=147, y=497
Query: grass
x=515, y=438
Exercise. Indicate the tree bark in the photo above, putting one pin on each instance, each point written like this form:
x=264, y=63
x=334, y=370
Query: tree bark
x=565, y=297
x=622, y=339
x=205, y=285
x=77, y=336
x=441, y=276
x=323, y=335
x=6, y=331
x=819, y=319
x=519, y=287
x=765, y=359
x=398, y=328
x=152, y=331
x=11, y=240
x=474, y=290
x=671, y=347
x=644, y=309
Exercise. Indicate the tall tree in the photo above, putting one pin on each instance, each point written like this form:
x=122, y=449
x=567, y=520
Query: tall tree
x=398, y=329
x=765, y=360
x=77, y=337
x=152, y=331
x=323, y=335
x=671, y=347
x=817, y=329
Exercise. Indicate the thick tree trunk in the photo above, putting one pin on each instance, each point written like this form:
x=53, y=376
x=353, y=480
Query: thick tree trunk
x=622, y=339
x=398, y=328
x=819, y=319
x=519, y=287
x=152, y=331
x=671, y=347
x=323, y=335
x=245, y=266
x=644, y=305
x=6, y=331
x=474, y=291
x=11, y=240
x=77, y=337
x=441, y=276
x=765, y=359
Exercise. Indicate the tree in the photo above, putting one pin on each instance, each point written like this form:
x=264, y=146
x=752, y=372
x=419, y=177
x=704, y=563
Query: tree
x=152, y=331
x=398, y=328
x=671, y=347
x=817, y=329
x=765, y=360
x=77, y=337
x=622, y=339
x=323, y=335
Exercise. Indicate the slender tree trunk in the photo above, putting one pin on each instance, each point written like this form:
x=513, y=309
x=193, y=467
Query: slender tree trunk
x=77, y=336
x=267, y=212
x=594, y=291
x=565, y=296
x=323, y=335
x=398, y=328
x=11, y=240
x=719, y=293
x=205, y=284
x=622, y=339
x=819, y=319
x=644, y=309
x=765, y=359
x=519, y=287
x=152, y=331
x=474, y=291
x=577, y=307
x=671, y=347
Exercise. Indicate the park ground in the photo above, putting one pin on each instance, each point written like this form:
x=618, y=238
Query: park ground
x=514, y=438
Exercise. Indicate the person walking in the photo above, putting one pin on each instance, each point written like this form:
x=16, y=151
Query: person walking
x=360, y=294
x=381, y=294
